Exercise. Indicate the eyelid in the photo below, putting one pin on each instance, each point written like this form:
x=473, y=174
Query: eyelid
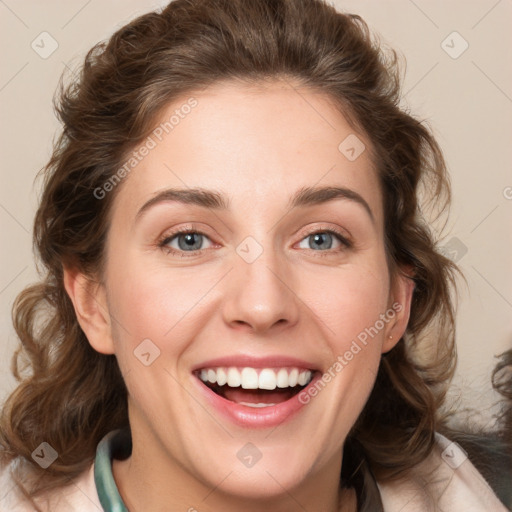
x=180, y=231
x=342, y=233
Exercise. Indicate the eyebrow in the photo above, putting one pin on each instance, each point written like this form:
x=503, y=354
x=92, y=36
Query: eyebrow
x=308, y=196
x=212, y=199
x=196, y=196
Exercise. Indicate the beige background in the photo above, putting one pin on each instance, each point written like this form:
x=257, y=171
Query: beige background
x=467, y=101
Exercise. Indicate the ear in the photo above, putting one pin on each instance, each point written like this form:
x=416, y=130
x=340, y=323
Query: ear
x=400, y=300
x=90, y=302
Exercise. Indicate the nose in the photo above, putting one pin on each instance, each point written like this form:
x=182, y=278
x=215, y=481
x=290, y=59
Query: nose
x=260, y=295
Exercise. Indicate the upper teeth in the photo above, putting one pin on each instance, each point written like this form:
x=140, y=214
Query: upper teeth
x=252, y=378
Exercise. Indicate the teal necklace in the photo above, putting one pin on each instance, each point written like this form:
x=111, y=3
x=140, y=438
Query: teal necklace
x=115, y=445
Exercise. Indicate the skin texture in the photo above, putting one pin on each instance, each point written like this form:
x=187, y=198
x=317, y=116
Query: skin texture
x=258, y=146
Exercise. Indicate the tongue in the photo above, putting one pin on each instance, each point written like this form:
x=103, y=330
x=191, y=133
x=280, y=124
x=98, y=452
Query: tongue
x=257, y=396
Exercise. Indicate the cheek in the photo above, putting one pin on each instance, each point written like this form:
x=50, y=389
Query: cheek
x=349, y=302
x=152, y=319
x=357, y=311
x=145, y=303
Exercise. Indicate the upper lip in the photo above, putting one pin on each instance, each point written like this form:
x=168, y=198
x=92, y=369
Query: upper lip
x=246, y=361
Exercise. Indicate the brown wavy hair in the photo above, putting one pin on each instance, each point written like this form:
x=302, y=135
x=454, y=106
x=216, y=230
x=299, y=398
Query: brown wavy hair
x=71, y=396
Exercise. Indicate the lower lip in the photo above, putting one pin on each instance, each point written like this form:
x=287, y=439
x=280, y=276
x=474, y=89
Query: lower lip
x=253, y=417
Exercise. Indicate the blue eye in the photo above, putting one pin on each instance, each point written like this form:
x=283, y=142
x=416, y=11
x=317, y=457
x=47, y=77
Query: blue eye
x=323, y=240
x=188, y=241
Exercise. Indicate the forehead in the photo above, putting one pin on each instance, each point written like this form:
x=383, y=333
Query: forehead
x=258, y=144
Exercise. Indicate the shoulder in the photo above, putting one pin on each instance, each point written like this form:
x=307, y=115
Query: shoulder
x=446, y=480
x=79, y=496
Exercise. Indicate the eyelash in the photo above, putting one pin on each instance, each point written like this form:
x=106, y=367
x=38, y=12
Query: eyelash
x=345, y=242
x=187, y=230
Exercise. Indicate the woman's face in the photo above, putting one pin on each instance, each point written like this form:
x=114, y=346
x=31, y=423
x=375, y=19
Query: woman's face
x=272, y=281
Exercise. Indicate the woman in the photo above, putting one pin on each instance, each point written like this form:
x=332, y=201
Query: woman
x=243, y=307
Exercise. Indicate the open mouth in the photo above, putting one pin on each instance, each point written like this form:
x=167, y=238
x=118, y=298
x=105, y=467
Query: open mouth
x=256, y=387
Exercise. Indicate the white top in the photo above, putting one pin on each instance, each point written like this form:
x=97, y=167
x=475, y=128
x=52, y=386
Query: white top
x=447, y=474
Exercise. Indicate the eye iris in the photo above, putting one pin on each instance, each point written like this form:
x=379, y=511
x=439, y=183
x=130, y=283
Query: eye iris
x=189, y=241
x=320, y=238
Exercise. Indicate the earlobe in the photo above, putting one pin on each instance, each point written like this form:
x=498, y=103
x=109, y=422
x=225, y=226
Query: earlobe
x=91, y=309
x=401, y=300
